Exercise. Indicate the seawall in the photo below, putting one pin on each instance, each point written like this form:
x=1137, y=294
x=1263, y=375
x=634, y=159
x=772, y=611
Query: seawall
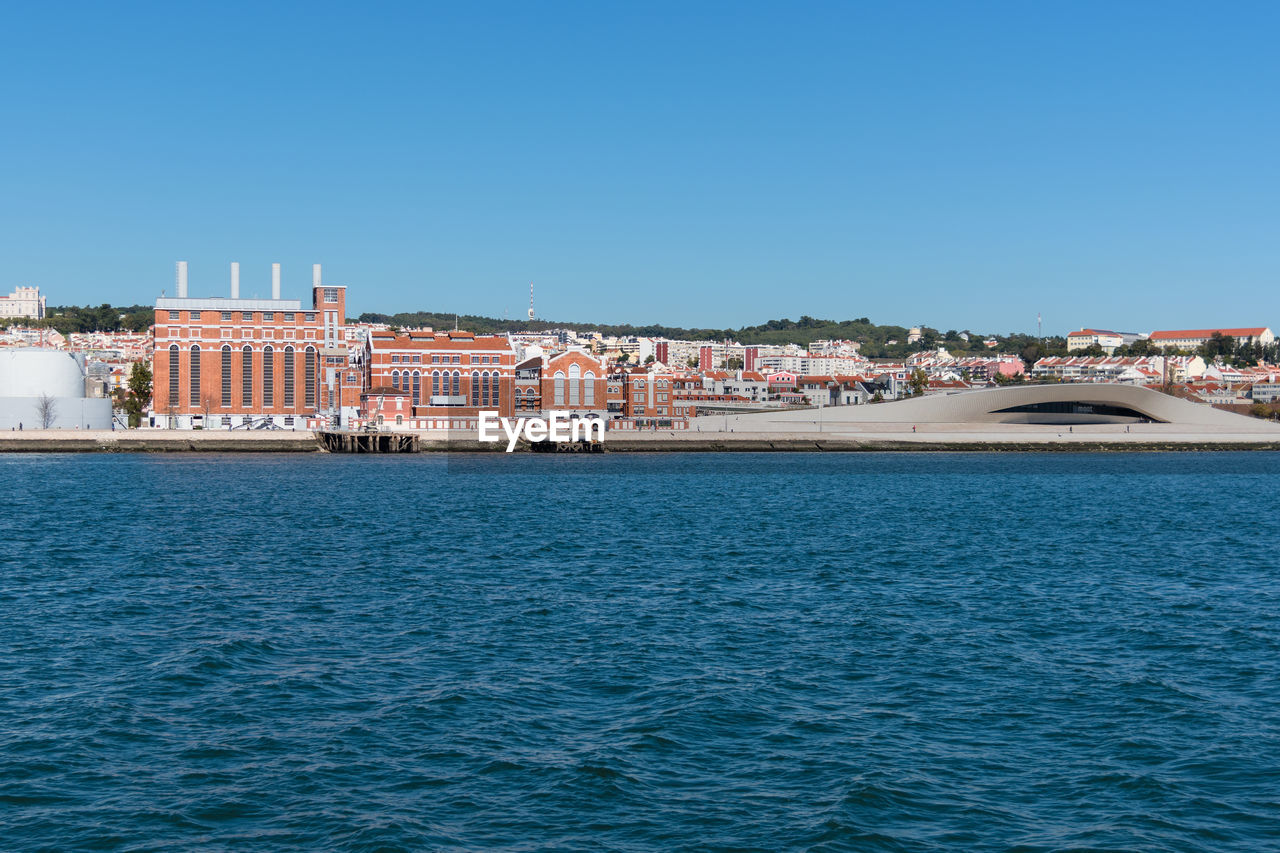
x=156, y=441
x=987, y=440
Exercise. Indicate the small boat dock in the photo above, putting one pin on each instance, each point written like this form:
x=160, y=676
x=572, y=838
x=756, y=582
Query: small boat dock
x=367, y=442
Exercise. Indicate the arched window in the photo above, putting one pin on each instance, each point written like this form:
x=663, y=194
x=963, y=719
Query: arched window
x=417, y=388
x=457, y=384
x=559, y=384
x=310, y=379
x=174, y=373
x=225, y=370
x=289, y=376
x=395, y=379
x=268, y=377
x=475, y=387
x=435, y=383
x=493, y=390
x=484, y=388
x=589, y=389
x=246, y=378
x=194, y=389
x=575, y=373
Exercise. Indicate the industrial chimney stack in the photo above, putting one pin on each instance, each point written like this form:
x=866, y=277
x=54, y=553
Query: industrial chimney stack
x=275, y=281
x=315, y=275
x=182, y=279
x=235, y=279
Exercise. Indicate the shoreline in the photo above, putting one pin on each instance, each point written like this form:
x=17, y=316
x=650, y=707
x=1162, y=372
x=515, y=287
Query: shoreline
x=983, y=440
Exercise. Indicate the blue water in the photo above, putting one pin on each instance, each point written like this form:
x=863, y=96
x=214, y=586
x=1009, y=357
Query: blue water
x=871, y=652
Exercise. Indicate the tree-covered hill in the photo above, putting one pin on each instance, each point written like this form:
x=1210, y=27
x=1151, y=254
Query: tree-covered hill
x=103, y=318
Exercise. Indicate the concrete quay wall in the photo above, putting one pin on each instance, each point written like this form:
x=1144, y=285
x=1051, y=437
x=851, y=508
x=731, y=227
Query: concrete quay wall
x=934, y=437
x=156, y=441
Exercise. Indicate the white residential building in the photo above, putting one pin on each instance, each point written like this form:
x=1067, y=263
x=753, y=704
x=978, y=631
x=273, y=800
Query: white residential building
x=23, y=302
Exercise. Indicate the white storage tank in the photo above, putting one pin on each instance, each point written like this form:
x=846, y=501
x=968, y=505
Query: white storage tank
x=28, y=374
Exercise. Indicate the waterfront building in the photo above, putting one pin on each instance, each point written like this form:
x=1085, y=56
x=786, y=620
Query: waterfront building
x=570, y=381
x=642, y=398
x=23, y=302
x=1056, y=404
x=450, y=377
x=40, y=387
x=574, y=382
x=228, y=362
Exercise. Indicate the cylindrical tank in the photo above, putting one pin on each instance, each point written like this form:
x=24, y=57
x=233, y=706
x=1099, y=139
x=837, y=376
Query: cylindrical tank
x=31, y=372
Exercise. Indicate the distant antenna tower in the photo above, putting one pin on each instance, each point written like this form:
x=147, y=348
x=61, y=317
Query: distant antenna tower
x=531, y=315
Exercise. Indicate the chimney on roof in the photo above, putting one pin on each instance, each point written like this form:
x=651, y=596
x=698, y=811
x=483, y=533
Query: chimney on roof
x=181, y=277
x=275, y=281
x=235, y=279
x=315, y=275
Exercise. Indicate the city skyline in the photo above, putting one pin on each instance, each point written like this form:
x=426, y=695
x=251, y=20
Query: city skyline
x=718, y=166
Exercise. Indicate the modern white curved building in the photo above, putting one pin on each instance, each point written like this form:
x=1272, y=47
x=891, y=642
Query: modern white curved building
x=1060, y=405
x=33, y=378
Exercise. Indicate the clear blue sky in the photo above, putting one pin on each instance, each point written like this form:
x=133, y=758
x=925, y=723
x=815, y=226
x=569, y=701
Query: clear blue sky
x=959, y=164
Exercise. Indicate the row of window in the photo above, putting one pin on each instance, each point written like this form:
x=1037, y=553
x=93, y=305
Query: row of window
x=484, y=385
x=228, y=333
x=245, y=316
x=247, y=375
x=445, y=359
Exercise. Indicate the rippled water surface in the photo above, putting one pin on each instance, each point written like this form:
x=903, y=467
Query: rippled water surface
x=751, y=652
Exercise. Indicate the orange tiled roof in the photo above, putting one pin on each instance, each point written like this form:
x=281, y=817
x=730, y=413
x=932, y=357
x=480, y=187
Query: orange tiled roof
x=1179, y=334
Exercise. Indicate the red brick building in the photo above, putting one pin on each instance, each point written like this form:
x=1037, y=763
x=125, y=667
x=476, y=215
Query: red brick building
x=449, y=376
x=571, y=381
x=223, y=363
x=647, y=400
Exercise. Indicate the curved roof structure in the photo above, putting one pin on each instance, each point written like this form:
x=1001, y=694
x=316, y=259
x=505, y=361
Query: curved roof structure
x=1057, y=404
x=30, y=372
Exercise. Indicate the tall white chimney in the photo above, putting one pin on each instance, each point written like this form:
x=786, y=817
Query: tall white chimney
x=275, y=281
x=182, y=279
x=315, y=275
x=235, y=279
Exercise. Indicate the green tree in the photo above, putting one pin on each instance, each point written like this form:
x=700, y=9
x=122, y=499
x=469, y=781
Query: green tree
x=918, y=382
x=139, y=393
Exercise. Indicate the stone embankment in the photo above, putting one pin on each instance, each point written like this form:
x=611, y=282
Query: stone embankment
x=156, y=441
x=934, y=438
